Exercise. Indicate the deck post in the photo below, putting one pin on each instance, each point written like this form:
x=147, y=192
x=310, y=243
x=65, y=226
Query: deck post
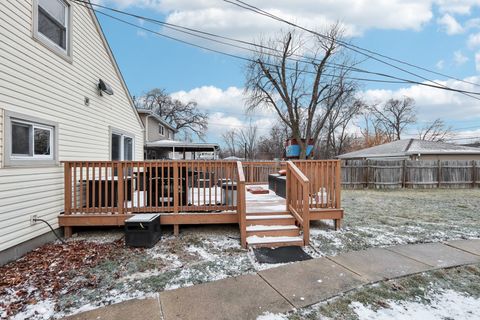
x=67, y=187
x=306, y=214
x=241, y=205
x=176, y=194
x=121, y=176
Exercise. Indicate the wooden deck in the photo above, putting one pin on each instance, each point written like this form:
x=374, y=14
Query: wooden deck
x=202, y=192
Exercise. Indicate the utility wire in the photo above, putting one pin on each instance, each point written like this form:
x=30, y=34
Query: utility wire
x=354, y=48
x=245, y=5
x=251, y=60
x=400, y=80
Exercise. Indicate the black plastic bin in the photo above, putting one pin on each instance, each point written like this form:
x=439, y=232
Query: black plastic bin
x=142, y=230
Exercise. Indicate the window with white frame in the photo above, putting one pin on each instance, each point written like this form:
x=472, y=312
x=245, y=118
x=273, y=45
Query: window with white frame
x=52, y=24
x=161, y=129
x=30, y=141
x=122, y=146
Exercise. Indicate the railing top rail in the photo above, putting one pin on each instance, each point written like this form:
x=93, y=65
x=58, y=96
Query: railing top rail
x=296, y=172
x=241, y=174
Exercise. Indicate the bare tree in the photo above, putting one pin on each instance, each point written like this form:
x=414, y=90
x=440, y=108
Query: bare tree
x=230, y=142
x=372, y=132
x=335, y=134
x=394, y=116
x=436, y=131
x=248, y=138
x=241, y=142
x=272, y=145
x=302, y=92
x=185, y=117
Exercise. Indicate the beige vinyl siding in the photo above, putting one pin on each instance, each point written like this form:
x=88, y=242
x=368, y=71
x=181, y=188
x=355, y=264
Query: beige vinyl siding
x=1, y=138
x=37, y=82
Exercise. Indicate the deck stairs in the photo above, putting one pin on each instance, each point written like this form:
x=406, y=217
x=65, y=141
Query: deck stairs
x=272, y=229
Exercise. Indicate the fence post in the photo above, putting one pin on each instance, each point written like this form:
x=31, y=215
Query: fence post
x=121, y=177
x=367, y=175
x=404, y=174
x=439, y=174
x=474, y=174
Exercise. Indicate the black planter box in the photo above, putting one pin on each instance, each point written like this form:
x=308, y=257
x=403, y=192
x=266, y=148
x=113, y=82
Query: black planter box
x=272, y=179
x=278, y=184
x=281, y=186
x=142, y=230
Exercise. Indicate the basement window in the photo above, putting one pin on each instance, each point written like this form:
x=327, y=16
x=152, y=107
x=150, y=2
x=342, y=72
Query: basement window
x=30, y=141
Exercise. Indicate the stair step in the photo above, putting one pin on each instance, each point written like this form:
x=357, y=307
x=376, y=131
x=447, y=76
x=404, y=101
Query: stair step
x=267, y=213
x=274, y=227
x=256, y=241
x=269, y=216
x=270, y=219
x=273, y=230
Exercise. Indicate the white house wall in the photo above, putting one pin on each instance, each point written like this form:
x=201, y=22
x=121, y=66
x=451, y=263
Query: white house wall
x=37, y=82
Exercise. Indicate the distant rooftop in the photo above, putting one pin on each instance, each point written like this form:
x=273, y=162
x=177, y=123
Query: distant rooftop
x=407, y=147
x=183, y=145
x=157, y=117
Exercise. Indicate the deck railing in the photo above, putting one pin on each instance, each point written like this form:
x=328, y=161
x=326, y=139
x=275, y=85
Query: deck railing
x=297, y=201
x=256, y=172
x=325, y=182
x=149, y=186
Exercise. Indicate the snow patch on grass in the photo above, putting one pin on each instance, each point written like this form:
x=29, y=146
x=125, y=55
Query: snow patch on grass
x=272, y=316
x=448, y=304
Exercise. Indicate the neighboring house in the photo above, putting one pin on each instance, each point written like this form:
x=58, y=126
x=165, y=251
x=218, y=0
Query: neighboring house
x=52, y=55
x=415, y=149
x=160, y=141
x=155, y=127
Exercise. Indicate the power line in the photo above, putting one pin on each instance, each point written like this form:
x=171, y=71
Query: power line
x=352, y=47
x=247, y=59
x=401, y=80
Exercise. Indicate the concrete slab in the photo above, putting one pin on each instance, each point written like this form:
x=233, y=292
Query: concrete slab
x=378, y=264
x=308, y=282
x=245, y=297
x=472, y=246
x=127, y=310
x=436, y=254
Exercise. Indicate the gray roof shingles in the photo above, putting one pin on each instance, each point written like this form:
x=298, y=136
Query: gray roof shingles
x=402, y=148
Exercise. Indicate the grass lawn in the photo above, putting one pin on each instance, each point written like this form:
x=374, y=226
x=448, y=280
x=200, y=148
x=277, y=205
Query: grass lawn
x=206, y=253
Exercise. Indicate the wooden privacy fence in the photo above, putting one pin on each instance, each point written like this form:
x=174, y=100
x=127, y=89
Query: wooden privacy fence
x=149, y=186
x=392, y=174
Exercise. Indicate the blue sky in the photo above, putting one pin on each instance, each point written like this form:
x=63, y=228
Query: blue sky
x=440, y=35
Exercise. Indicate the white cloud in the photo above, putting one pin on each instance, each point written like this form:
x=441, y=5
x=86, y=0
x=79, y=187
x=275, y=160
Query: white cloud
x=215, y=99
x=477, y=61
x=473, y=40
x=226, y=109
x=450, y=24
x=459, y=58
x=435, y=103
x=463, y=7
x=440, y=64
x=217, y=16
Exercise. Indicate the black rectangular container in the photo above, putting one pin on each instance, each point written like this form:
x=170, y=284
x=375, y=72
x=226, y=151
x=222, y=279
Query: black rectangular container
x=142, y=230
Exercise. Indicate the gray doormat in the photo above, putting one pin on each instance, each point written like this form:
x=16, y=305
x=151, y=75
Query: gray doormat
x=280, y=255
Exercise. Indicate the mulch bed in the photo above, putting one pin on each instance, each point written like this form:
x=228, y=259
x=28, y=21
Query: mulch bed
x=50, y=271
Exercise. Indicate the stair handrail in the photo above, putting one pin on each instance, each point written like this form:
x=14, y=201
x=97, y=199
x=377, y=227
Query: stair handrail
x=241, y=205
x=298, y=203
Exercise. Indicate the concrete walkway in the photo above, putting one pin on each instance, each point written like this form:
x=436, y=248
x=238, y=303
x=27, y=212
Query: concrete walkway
x=295, y=285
